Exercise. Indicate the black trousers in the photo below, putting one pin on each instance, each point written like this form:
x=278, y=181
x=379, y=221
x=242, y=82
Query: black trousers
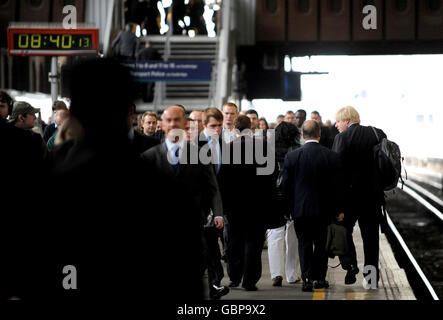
x=225, y=237
x=148, y=91
x=244, y=252
x=369, y=222
x=213, y=256
x=311, y=234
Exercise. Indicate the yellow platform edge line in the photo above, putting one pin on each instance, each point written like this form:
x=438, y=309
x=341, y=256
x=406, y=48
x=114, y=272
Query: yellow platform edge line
x=319, y=295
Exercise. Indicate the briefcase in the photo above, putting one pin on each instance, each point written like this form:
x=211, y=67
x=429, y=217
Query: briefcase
x=336, y=242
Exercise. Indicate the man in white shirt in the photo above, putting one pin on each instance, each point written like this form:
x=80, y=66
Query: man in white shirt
x=230, y=113
x=196, y=182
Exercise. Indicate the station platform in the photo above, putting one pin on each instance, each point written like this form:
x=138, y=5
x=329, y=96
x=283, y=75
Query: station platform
x=393, y=284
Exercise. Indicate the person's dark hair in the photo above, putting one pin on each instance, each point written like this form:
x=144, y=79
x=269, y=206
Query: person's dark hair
x=251, y=111
x=130, y=26
x=58, y=104
x=97, y=87
x=316, y=113
x=301, y=111
x=5, y=97
x=290, y=112
x=133, y=109
x=311, y=129
x=242, y=122
x=211, y=112
x=266, y=122
x=286, y=138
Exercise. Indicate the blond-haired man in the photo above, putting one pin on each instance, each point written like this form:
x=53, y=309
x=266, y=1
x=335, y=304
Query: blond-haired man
x=364, y=196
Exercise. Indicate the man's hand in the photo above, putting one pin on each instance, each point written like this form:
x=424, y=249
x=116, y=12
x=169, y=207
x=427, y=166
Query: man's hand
x=218, y=222
x=340, y=217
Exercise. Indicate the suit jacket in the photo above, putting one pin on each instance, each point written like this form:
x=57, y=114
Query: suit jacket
x=196, y=182
x=23, y=164
x=326, y=139
x=355, y=147
x=202, y=142
x=312, y=182
x=115, y=197
x=141, y=142
x=129, y=44
x=148, y=54
x=248, y=198
x=49, y=131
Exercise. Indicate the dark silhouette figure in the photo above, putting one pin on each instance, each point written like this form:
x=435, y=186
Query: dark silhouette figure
x=104, y=228
x=146, y=54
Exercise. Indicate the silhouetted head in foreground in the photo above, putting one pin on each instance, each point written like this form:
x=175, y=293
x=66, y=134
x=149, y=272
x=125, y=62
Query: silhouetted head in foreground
x=102, y=93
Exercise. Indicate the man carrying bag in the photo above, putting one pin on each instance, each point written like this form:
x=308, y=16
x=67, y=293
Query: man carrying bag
x=312, y=181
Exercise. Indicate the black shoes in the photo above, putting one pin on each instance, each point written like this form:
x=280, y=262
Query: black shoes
x=216, y=292
x=276, y=282
x=250, y=288
x=233, y=284
x=350, y=275
x=321, y=284
x=307, y=286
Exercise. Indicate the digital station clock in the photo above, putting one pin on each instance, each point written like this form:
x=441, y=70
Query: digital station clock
x=52, y=42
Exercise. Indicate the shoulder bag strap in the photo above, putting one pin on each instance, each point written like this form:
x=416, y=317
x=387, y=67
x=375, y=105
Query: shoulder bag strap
x=375, y=132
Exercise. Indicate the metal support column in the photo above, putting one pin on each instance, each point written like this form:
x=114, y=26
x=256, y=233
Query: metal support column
x=54, y=79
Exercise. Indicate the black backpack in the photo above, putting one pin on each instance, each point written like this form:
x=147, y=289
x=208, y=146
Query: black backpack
x=388, y=161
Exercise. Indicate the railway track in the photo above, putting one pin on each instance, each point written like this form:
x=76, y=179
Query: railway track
x=415, y=231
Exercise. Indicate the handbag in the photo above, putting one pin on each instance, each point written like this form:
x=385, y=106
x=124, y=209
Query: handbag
x=336, y=241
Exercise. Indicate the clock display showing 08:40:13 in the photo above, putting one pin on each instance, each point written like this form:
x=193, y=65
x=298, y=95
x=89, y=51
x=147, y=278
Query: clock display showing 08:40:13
x=53, y=41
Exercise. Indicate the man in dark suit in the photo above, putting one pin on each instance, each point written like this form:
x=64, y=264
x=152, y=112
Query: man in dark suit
x=22, y=163
x=139, y=142
x=196, y=181
x=50, y=129
x=364, y=195
x=247, y=199
x=211, y=143
x=310, y=174
x=148, y=53
x=326, y=139
x=102, y=233
x=129, y=43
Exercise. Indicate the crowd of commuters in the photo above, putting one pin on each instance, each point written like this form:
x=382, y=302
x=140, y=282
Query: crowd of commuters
x=147, y=16
x=131, y=209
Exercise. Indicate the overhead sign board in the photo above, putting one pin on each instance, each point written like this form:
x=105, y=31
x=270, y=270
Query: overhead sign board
x=51, y=42
x=150, y=71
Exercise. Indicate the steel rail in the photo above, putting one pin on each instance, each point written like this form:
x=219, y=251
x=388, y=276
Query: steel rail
x=411, y=258
x=422, y=201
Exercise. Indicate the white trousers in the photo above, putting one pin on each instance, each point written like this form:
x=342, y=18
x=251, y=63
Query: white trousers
x=276, y=239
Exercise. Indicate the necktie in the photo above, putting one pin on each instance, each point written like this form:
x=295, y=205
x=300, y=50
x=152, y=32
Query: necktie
x=177, y=164
x=214, y=155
